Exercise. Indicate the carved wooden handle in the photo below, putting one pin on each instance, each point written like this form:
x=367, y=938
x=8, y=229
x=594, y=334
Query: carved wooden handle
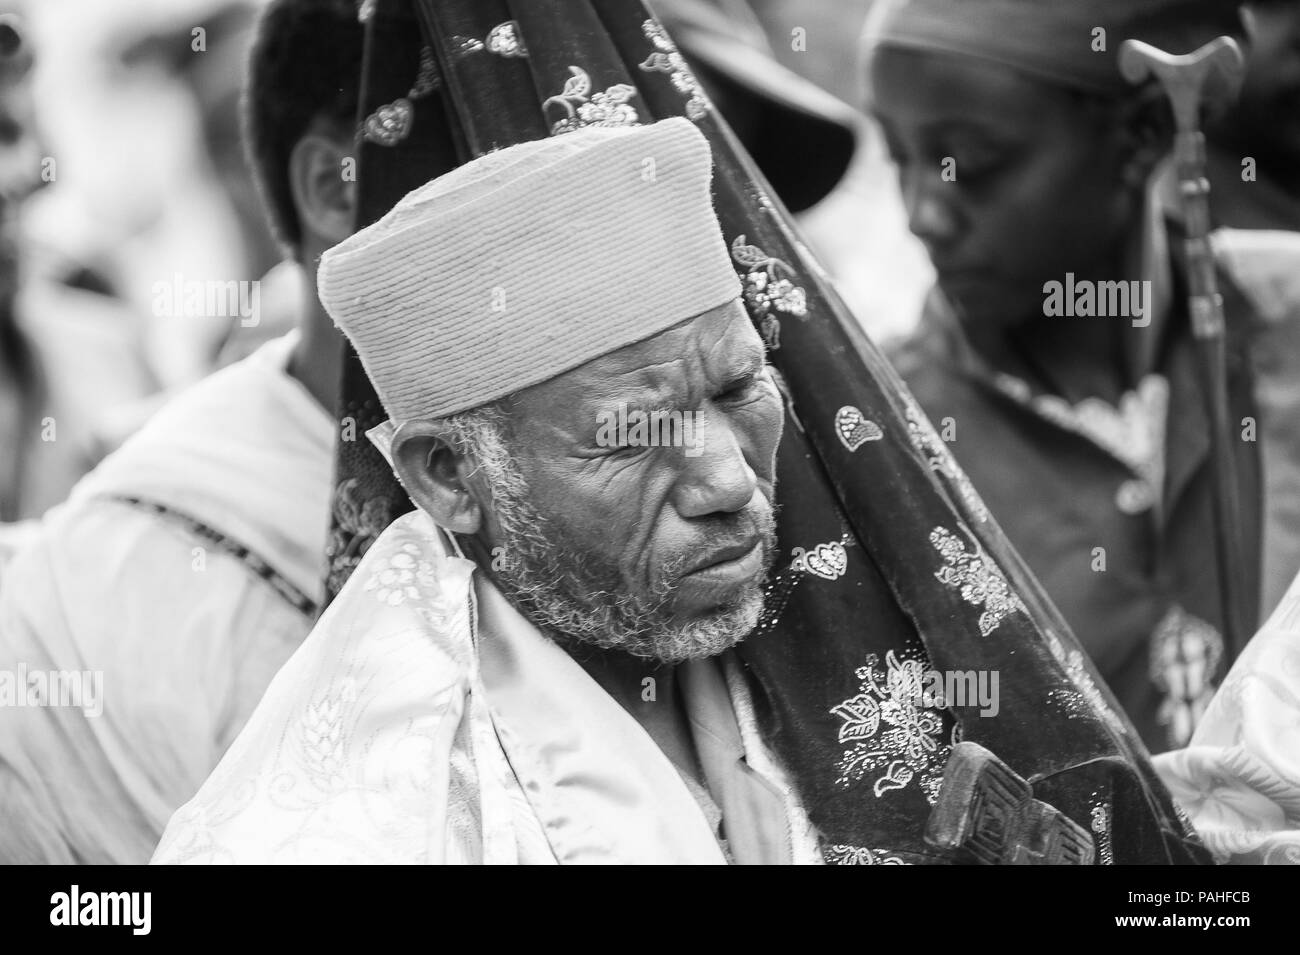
x=1184, y=77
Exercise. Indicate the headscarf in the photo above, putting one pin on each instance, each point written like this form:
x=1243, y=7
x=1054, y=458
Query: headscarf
x=1072, y=43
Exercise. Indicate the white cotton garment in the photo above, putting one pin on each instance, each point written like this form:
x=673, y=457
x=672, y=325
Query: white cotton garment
x=424, y=720
x=1239, y=780
x=183, y=636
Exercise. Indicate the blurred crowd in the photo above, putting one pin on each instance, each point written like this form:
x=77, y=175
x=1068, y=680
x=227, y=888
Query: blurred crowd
x=122, y=170
x=125, y=179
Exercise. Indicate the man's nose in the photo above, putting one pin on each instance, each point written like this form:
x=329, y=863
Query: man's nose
x=717, y=478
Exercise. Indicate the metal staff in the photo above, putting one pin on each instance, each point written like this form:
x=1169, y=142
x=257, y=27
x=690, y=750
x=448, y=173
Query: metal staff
x=1184, y=79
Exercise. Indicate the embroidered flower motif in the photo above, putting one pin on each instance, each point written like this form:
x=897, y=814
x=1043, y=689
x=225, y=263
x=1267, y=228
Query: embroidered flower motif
x=885, y=727
x=504, y=40
x=1133, y=432
x=666, y=59
x=931, y=447
x=403, y=577
x=768, y=288
x=608, y=109
x=839, y=854
x=1185, y=656
x=322, y=740
x=584, y=108
x=977, y=579
x=356, y=525
x=1082, y=698
x=391, y=123
x=764, y=293
x=827, y=561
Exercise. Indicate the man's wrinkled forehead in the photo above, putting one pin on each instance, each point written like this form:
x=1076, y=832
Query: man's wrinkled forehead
x=677, y=367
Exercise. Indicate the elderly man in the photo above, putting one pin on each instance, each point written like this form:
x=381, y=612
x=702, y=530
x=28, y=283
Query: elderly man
x=189, y=566
x=533, y=666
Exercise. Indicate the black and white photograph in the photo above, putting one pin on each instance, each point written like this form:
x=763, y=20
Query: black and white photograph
x=650, y=432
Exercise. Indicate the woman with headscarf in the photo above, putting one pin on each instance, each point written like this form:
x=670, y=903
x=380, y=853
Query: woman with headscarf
x=1056, y=351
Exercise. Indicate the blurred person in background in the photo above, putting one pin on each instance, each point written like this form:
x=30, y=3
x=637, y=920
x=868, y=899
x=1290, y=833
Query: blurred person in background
x=1253, y=162
x=190, y=565
x=859, y=231
x=68, y=352
x=135, y=96
x=214, y=80
x=1254, y=148
x=802, y=137
x=1025, y=158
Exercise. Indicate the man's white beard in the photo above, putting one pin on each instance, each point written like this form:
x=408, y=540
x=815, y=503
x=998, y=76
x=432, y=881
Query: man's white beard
x=548, y=575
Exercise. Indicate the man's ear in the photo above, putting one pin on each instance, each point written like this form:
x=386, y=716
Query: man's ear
x=322, y=175
x=436, y=477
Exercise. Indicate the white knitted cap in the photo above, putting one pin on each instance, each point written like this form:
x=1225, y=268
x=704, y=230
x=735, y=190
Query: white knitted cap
x=528, y=262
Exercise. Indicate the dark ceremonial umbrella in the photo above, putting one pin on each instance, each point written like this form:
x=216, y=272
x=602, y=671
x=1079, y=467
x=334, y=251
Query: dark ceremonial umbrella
x=889, y=567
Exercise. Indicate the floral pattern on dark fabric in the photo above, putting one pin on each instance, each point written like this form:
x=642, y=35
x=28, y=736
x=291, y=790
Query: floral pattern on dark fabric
x=666, y=59
x=391, y=123
x=1186, y=654
x=858, y=855
x=504, y=40
x=356, y=525
x=828, y=561
x=930, y=446
x=768, y=288
x=585, y=108
x=1082, y=698
x=890, y=736
x=979, y=581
